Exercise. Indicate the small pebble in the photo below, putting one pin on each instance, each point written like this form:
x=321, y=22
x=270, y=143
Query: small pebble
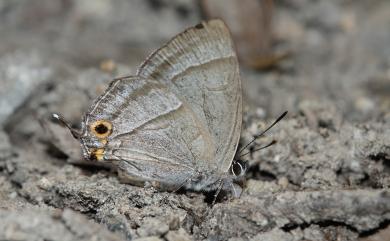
x=45, y=184
x=283, y=182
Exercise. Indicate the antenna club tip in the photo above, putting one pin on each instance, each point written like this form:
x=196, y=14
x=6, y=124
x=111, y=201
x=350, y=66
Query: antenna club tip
x=283, y=115
x=55, y=115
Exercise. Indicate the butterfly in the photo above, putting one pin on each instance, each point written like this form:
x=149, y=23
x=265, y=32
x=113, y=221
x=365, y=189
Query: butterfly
x=177, y=121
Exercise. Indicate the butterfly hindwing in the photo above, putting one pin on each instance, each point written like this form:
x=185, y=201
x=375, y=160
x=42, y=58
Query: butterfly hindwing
x=155, y=137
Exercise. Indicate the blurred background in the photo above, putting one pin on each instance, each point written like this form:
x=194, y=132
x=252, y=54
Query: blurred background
x=295, y=55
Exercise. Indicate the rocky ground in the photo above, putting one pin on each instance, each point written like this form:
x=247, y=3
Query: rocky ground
x=327, y=178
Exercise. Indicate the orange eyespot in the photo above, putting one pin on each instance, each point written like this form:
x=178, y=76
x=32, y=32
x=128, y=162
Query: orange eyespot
x=101, y=128
x=97, y=154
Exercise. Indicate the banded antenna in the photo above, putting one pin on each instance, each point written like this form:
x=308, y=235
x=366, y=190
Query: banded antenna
x=61, y=120
x=261, y=134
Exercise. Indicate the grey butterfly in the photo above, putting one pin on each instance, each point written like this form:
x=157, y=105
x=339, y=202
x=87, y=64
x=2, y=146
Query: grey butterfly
x=177, y=122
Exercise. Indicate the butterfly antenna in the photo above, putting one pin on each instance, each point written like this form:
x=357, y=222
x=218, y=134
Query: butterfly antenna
x=260, y=148
x=262, y=133
x=61, y=120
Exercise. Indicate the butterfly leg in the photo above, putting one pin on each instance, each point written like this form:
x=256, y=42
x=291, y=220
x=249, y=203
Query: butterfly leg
x=220, y=184
x=236, y=190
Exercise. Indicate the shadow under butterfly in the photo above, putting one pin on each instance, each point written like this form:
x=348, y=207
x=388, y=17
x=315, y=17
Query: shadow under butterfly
x=177, y=122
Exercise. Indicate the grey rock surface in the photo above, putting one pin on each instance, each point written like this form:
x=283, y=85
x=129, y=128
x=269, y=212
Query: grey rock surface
x=36, y=225
x=327, y=178
x=21, y=73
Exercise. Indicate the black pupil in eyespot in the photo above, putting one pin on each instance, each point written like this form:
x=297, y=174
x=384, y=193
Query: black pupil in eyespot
x=93, y=157
x=101, y=129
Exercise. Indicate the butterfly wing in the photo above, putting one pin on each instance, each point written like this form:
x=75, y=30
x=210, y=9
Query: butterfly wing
x=179, y=116
x=154, y=135
x=201, y=68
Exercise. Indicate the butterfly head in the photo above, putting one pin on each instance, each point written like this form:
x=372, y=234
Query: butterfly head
x=238, y=168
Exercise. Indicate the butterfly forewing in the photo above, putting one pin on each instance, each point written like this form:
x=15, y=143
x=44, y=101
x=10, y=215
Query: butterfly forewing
x=200, y=66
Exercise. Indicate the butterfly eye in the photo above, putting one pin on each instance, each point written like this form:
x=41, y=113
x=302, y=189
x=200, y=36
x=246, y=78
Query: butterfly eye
x=101, y=128
x=238, y=168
